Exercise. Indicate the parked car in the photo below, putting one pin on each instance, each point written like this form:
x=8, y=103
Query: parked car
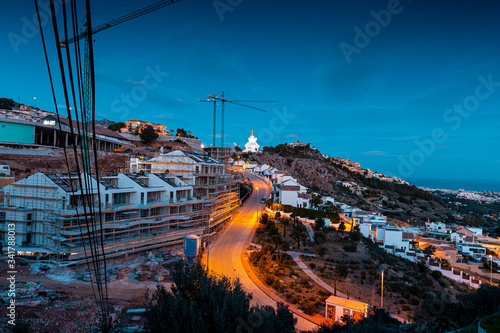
x=263, y=200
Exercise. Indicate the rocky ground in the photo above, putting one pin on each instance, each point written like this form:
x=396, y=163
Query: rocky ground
x=54, y=158
x=75, y=309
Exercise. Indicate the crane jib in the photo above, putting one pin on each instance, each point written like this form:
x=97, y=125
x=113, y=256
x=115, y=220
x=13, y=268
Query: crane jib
x=123, y=19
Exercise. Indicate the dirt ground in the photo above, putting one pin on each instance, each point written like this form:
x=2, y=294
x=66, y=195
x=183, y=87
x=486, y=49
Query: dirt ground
x=53, y=158
x=75, y=309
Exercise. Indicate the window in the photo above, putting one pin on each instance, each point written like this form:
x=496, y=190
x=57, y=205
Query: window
x=347, y=312
x=330, y=312
x=2, y=215
x=120, y=198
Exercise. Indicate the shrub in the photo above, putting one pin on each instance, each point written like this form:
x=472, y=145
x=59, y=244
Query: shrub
x=402, y=301
x=323, y=292
x=406, y=308
x=304, y=283
x=414, y=301
x=350, y=247
x=436, y=275
x=269, y=279
x=308, y=307
x=295, y=299
x=312, y=265
x=276, y=285
x=427, y=282
x=255, y=257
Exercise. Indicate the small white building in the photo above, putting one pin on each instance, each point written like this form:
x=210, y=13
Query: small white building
x=437, y=227
x=336, y=307
x=290, y=192
x=250, y=166
x=359, y=216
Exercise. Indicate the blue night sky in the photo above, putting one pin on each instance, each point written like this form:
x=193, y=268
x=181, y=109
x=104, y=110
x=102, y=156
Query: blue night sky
x=416, y=96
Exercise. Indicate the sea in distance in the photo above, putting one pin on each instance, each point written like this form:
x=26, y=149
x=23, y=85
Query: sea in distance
x=456, y=184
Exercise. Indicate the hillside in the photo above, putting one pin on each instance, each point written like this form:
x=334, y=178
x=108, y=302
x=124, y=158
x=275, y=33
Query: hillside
x=320, y=173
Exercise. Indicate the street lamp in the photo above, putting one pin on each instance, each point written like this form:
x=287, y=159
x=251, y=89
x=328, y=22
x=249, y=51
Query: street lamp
x=491, y=269
x=35, y=101
x=257, y=197
x=208, y=243
x=382, y=292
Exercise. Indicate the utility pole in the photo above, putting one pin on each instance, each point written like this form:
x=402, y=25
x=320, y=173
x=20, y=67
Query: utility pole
x=208, y=244
x=382, y=292
x=491, y=269
x=257, y=197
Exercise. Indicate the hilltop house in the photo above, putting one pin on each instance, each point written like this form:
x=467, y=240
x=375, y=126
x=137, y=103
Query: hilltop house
x=336, y=307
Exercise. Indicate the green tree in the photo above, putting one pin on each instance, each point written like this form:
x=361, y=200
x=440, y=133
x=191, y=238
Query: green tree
x=148, y=135
x=285, y=221
x=319, y=223
x=277, y=241
x=237, y=148
x=7, y=103
x=341, y=272
x=299, y=234
x=316, y=200
x=203, y=302
x=182, y=133
x=117, y=127
x=355, y=235
x=341, y=226
x=264, y=218
x=430, y=248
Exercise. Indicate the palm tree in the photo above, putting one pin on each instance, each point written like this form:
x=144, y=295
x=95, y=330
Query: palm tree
x=285, y=221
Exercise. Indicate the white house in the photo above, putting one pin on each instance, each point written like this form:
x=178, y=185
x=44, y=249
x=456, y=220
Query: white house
x=290, y=192
x=359, y=216
x=473, y=250
x=336, y=307
x=437, y=227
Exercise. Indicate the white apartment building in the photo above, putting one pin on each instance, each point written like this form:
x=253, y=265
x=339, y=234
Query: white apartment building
x=207, y=176
x=52, y=212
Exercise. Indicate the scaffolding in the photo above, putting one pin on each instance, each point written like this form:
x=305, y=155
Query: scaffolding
x=61, y=231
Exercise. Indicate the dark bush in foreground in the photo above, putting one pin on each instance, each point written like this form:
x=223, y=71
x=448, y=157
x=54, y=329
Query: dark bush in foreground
x=203, y=302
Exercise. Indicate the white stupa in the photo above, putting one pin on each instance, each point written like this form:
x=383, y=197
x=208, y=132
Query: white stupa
x=251, y=146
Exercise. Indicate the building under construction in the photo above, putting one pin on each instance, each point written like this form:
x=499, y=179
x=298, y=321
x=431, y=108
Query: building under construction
x=141, y=209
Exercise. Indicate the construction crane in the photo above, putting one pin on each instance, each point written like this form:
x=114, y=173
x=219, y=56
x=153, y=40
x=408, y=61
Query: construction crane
x=87, y=79
x=214, y=99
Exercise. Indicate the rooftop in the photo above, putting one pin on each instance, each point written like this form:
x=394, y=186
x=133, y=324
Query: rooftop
x=349, y=303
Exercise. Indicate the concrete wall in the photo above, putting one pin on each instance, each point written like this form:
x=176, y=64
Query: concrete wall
x=17, y=133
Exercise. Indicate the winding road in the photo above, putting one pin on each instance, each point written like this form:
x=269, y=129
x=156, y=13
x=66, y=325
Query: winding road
x=225, y=254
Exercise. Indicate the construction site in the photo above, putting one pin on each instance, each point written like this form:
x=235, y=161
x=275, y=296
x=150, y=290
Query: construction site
x=139, y=215
x=140, y=209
